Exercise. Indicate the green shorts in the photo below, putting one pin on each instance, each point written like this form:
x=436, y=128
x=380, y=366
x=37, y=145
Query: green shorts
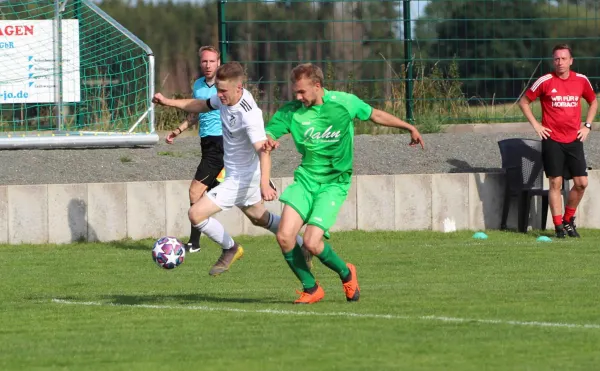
x=318, y=204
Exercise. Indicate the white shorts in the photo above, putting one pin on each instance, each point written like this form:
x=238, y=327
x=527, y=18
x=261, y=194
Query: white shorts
x=237, y=190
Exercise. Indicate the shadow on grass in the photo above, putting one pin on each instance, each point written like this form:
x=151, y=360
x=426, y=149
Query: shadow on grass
x=185, y=299
x=145, y=244
x=534, y=233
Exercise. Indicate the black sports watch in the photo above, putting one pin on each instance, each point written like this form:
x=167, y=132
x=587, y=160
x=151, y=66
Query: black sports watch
x=588, y=125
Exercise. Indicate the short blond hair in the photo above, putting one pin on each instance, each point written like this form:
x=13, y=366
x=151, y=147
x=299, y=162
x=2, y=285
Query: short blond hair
x=230, y=71
x=209, y=48
x=307, y=70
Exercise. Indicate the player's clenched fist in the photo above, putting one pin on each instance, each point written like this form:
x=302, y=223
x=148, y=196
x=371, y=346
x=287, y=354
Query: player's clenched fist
x=270, y=144
x=268, y=193
x=159, y=99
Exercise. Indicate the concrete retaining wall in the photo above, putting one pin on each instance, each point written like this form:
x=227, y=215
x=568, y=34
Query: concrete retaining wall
x=62, y=213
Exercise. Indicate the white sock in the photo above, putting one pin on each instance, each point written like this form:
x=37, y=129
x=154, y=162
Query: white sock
x=273, y=226
x=215, y=231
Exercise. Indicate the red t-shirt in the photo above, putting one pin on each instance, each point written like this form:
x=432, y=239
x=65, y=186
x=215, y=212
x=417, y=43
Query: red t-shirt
x=561, y=103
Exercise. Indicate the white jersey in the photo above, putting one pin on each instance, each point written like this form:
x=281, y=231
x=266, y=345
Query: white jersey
x=243, y=125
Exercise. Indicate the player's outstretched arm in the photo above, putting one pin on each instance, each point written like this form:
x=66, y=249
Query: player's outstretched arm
x=385, y=119
x=279, y=125
x=524, y=105
x=189, y=105
x=264, y=156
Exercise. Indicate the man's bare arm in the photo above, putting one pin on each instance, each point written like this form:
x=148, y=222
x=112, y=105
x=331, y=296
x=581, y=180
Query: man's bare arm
x=268, y=193
x=592, y=110
x=524, y=105
x=385, y=119
x=189, y=105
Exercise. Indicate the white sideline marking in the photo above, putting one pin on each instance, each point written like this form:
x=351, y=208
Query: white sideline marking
x=336, y=314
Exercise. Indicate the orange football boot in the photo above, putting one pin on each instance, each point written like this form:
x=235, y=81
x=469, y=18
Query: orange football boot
x=351, y=288
x=306, y=298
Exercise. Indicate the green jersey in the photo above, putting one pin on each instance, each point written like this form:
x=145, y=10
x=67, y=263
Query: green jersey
x=323, y=134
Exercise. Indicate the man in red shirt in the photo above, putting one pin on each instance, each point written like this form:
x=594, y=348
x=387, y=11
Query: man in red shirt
x=562, y=134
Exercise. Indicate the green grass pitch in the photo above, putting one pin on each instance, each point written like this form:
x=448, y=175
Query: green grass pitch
x=429, y=301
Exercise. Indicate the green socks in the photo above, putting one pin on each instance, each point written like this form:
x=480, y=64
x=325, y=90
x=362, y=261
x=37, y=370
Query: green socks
x=295, y=260
x=333, y=261
x=328, y=257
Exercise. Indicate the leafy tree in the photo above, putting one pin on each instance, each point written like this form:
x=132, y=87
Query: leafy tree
x=577, y=26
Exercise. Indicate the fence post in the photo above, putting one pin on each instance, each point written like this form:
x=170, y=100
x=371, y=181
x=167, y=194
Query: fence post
x=222, y=30
x=77, y=106
x=408, y=60
x=58, y=98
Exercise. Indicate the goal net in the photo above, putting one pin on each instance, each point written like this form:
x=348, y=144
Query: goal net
x=71, y=76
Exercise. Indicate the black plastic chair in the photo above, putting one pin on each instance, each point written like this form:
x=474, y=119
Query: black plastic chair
x=524, y=170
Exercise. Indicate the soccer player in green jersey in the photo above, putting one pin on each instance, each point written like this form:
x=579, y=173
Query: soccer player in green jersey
x=321, y=124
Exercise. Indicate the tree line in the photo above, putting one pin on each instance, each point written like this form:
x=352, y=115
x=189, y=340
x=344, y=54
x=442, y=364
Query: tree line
x=497, y=45
x=463, y=51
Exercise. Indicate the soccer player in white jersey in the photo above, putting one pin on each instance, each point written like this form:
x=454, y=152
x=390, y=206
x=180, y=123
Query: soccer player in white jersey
x=247, y=164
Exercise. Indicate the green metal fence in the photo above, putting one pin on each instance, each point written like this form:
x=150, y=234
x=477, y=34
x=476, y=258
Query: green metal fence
x=432, y=62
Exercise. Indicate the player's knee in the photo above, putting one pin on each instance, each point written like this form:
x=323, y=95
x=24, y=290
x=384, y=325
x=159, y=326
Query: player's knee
x=258, y=216
x=555, y=183
x=286, y=240
x=258, y=222
x=311, y=247
x=192, y=215
x=312, y=243
x=581, y=185
x=195, y=216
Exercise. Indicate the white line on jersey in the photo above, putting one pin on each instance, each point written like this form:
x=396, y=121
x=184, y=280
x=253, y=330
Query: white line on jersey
x=540, y=81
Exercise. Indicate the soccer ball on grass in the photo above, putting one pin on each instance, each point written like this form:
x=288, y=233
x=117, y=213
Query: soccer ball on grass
x=168, y=252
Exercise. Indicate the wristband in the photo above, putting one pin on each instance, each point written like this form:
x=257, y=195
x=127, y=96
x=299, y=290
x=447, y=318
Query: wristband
x=180, y=131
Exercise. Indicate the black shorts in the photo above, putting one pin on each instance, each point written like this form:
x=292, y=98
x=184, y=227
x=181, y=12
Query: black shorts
x=563, y=159
x=211, y=163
